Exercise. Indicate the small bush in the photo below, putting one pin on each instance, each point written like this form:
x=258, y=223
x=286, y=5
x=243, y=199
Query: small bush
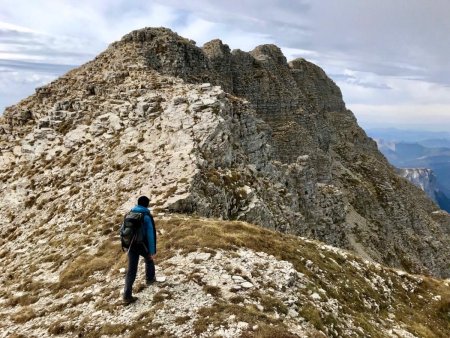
x=182, y=320
x=60, y=327
x=23, y=315
x=212, y=290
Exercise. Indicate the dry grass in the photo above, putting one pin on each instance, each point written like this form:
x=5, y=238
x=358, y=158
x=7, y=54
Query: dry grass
x=219, y=312
x=24, y=315
x=129, y=149
x=160, y=296
x=24, y=300
x=212, y=290
x=60, y=327
x=78, y=272
x=267, y=331
x=237, y=299
x=111, y=330
x=271, y=304
x=182, y=320
x=419, y=315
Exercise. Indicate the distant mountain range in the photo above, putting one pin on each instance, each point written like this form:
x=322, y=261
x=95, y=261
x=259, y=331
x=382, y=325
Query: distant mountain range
x=409, y=149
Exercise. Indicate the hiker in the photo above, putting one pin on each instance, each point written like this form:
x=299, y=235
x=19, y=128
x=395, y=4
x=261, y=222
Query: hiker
x=145, y=247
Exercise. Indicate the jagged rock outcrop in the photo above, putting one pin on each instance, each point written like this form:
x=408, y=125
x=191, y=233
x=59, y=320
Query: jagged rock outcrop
x=210, y=131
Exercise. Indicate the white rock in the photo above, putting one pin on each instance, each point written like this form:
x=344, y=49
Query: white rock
x=203, y=256
x=315, y=296
x=161, y=279
x=247, y=285
x=205, y=85
x=209, y=102
x=401, y=273
x=122, y=270
x=292, y=313
x=242, y=325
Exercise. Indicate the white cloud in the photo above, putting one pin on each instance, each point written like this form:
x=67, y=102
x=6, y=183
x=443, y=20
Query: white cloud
x=413, y=116
x=15, y=86
x=412, y=103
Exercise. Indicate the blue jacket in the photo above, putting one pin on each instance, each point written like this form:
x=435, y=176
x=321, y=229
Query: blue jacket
x=149, y=228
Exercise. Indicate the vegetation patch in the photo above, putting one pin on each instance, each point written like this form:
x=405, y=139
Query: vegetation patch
x=212, y=290
x=218, y=313
x=77, y=273
x=270, y=303
x=24, y=315
x=160, y=296
x=352, y=289
x=60, y=327
x=267, y=331
x=182, y=320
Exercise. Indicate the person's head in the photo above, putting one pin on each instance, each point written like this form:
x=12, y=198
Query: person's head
x=143, y=201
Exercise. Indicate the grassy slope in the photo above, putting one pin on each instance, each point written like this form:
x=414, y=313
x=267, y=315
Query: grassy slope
x=416, y=310
x=411, y=300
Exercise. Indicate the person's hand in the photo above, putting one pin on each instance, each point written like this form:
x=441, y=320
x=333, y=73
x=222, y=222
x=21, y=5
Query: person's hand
x=151, y=257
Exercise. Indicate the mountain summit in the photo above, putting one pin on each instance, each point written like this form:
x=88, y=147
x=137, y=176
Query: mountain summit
x=214, y=132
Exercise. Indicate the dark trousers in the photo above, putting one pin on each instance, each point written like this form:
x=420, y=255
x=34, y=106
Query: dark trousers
x=133, y=260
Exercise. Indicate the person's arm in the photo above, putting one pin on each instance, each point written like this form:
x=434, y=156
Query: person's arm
x=151, y=238
x=154, y=229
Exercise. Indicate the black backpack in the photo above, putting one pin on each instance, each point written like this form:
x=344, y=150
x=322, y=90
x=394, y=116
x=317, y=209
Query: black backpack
x=132, y=229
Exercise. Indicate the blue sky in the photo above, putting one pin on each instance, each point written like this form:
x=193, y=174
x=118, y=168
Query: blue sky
x=390, y=58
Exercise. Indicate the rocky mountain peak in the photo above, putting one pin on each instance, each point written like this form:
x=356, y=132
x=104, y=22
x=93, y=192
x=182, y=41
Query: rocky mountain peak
x=233, y=135
x=212, y=134
x=269, y=52
x=150, y=34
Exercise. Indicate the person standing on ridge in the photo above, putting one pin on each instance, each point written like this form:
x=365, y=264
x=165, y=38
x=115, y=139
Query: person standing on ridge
x=145, y=248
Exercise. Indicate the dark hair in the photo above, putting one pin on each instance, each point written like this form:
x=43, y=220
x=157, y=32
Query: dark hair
x=143, y=201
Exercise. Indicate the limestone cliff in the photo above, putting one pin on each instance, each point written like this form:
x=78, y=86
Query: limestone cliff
x=219, y=133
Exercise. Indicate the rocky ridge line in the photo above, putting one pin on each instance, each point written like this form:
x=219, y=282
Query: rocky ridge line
x=291, y=157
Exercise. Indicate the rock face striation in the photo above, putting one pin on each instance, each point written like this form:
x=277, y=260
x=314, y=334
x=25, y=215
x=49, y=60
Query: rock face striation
x=219, y=133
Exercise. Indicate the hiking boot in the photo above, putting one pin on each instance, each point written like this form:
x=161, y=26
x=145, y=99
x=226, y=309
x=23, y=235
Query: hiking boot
x=150, y=281
x=129, y=300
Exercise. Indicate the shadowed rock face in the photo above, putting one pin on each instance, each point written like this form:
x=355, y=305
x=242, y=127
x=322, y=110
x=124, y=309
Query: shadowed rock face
x=275, y=145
